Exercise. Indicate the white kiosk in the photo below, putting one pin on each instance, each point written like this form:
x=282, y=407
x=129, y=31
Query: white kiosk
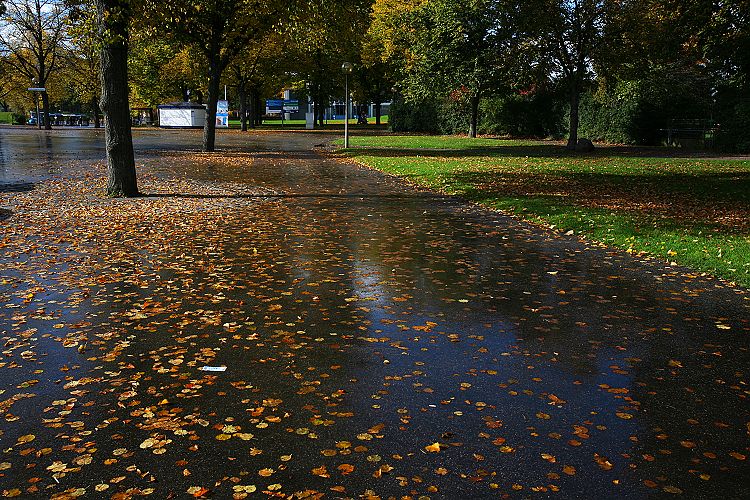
x=182, y=115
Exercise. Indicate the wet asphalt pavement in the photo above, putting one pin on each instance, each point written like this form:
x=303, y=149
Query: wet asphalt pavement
x=378, y=340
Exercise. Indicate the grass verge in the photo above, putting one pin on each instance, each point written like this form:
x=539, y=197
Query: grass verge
x=682, y=207
x=6, y=118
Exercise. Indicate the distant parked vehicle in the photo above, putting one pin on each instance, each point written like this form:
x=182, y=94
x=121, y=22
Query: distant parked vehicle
x=61, y=119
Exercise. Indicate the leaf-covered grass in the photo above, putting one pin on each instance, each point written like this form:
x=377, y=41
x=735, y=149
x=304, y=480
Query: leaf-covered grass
x=682, y=207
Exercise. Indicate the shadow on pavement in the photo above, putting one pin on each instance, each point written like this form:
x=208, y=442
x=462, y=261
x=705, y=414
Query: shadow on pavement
x=291, y=195
x=16, y=187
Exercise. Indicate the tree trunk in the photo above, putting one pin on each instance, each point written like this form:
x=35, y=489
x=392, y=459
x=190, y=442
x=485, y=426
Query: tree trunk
x=575, y=97
x=113, y=24
x=320, y=109
x=242, y=94
x=256, y=113
x=95, y=110
x=378, y=112
x=474, y=117
x=209, y=129
x=45, y=111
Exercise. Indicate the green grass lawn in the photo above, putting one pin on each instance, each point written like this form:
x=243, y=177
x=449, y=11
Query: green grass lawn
x=6, y=117
x=674, y=205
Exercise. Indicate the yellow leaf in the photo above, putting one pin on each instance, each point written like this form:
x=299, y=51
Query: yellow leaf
x=549, y=458
x=26, y=439
x=321, y=471
x=433, y=448
x=148, y=443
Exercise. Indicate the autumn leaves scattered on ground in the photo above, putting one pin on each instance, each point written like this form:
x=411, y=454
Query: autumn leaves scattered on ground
x=683, y=208
x=353, y=339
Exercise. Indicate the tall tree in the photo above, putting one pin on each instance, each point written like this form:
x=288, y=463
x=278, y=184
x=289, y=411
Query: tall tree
x=219, y=30
x=322, y=35
x=161, y=70
x=114, y=19
x=567, y=35
x=726, y=41
x=461, y=48
x=379, y=54
x=32, y=36
x=260, y=66
x=82, y=59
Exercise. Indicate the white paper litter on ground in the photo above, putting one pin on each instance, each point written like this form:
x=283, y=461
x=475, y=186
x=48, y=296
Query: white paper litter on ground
x=213, y=368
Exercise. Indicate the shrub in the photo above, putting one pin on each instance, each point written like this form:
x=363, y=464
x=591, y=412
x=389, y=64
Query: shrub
x=734, y=125
x=408, y=116
x=539, y=115
x=535, y=116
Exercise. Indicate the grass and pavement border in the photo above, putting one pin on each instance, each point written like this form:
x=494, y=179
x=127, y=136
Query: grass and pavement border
x=686, y=208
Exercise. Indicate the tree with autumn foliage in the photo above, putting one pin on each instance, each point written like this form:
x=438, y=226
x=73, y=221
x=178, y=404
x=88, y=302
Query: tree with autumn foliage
x=385, y=53
x=260, y=67
x=161, y=70
x=461, y=50
x=82, y=57
x=322, y=35
x=219, y=30
x=32, y=38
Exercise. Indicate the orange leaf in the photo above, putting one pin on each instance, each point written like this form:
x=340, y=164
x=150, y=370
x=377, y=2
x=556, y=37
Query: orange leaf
x=346, y=468
x=433, y=448
x=321, y=471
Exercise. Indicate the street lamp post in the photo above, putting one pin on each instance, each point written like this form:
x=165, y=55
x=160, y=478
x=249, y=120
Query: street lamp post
x=35, y=90
x=346, y=68
x=38, y=119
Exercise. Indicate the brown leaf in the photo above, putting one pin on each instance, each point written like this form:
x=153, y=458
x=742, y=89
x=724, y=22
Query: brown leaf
x=346, y=468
